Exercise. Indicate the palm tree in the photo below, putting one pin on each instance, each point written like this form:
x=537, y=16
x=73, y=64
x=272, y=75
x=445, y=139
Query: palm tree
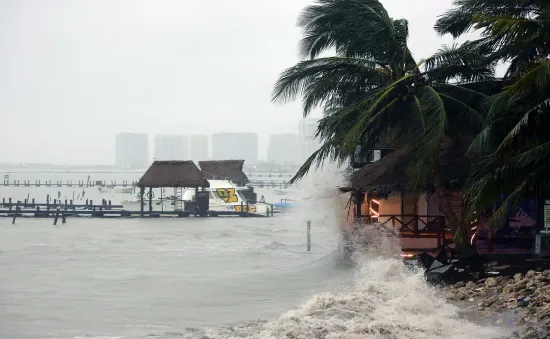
x=515, y=141
x=375, y=91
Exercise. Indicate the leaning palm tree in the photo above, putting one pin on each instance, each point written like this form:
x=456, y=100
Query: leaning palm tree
x=375, y=91
x=515, y=141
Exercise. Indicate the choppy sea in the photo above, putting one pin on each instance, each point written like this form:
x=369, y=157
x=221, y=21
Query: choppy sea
x=213, y=278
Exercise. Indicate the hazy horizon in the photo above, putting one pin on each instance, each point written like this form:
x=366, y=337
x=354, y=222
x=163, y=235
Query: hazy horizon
x=75, y=73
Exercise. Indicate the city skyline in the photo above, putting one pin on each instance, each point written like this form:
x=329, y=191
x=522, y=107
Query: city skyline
x=290, y=148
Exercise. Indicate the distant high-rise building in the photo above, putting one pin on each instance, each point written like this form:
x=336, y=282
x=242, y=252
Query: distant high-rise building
x=233, y=146
x=307, y=129
x=171, y=147
x=132, y=150
x=285, y=149
x=198, y=147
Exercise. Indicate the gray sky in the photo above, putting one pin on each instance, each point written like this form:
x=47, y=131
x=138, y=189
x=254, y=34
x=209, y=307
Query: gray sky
x=76, y=72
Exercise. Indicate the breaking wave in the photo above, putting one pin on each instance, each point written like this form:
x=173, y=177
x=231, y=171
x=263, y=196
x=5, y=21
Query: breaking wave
x=386, y=299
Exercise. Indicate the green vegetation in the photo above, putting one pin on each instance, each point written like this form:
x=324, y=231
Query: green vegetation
x=374, y=92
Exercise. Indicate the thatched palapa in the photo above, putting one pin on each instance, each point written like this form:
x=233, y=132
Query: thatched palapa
x=173, y=174
x=384, y=176
x=390, y=173
x=224, y=169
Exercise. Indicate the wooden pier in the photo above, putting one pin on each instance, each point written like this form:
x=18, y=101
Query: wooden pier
x=120, y=184
x=66, y=208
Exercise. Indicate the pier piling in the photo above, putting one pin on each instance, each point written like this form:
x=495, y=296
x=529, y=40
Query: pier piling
x=56, y=217
x=15, y=213
x=309, y=235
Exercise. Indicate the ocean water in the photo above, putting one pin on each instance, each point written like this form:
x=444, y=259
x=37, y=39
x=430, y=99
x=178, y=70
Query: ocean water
x=215, y=278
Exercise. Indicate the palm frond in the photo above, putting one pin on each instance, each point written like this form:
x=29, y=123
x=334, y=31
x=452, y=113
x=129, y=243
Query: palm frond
x=353, y=28
x=323, y=80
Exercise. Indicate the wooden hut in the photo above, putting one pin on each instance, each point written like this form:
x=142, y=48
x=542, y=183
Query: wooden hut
x=224, y=169
x=379, y=193
x=173, y=174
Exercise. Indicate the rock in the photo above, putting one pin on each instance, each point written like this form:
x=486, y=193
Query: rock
x=471, y=285
x=507, y=289
x=540, y=284
x=497, y=303
x=530, y=274
x=460, y=284
x=463, y=290
x=520, y=285
x=490, y=301
x=491, y=282
x=518, y=277
x=459, y=296
x=502, y=280
x=522, y=303
x=530, y=283
x=544, y=314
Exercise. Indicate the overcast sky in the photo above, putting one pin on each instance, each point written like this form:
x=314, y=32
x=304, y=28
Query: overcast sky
x=76, y=72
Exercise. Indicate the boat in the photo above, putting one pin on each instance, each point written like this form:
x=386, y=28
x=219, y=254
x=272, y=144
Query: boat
x=224, y=196
x=285, y=205
x=113, y=189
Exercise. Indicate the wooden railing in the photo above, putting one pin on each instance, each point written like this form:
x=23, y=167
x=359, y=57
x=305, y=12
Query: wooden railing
x=413, y=226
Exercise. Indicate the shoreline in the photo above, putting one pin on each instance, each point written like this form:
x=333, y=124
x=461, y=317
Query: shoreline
x=513, y=294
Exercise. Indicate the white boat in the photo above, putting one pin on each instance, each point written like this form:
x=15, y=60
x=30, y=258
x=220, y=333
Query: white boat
x=224, y=196
x=112, y=189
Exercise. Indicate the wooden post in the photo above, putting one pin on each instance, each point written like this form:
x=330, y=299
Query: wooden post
x=63, y=219
x=9, y=201
x=56, y=217
x=142, y=192
x=242, y=208
x=48, y=202
x=150, y=199
x=15, y=213
x=247, y=209
x=360, y=197
x=309, y=235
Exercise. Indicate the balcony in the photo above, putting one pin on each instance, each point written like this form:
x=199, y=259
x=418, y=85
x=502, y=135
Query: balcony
x=416, y=232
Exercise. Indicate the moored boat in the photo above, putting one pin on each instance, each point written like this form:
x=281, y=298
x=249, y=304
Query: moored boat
x=285, y=205
x=112, y=189
x=224, y=196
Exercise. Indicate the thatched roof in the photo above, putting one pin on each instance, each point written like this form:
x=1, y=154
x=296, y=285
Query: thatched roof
x=390, y=173
x=173, y=174
x=384, y=176
x=224, y=169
